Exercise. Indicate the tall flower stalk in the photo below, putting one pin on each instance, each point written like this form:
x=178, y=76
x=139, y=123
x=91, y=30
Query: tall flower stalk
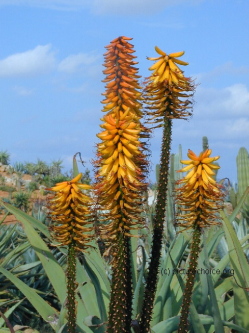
x=199, y=198
x=120, y=175
x=70, y=214
x=168, y=95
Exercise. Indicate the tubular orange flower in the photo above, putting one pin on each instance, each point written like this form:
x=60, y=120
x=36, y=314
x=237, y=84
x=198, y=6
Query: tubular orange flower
x=200, y=197
x=69, y=210
x=120, y=174
x=167, y=90
x=121, y=163
x=121, y=88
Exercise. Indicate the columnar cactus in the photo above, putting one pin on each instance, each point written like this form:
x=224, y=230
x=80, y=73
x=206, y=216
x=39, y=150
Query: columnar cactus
x=243, y=172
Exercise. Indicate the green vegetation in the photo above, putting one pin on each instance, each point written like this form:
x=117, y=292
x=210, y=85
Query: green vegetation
x=118, y=264
x=4, y=157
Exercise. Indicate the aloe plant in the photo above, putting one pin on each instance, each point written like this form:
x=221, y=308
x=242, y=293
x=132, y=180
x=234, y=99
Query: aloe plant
x=153, y=268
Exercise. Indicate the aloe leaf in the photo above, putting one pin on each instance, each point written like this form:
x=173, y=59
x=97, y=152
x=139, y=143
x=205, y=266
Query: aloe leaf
x=169, y=325
x=166, y=274
x=237, y=257
x=98, y=290
x=241, y=274
x=133, y=258
x=79, y=329
x=95, y=324
x=25, y=267
x=15, y=253
x=62, y=319
x=20, y=215
x=200, y=293
x=98, y=265
x=2, y=220
x=87, y=291
x=195, y=320
x=9, y=312
x=138, y=293
x=42, y=307
x=53, y=270
x=214, y=305
x=224, y=287
x=213, y=239
x=75, y=166
x=82, y=314
x=239, y=205
x=7, y=236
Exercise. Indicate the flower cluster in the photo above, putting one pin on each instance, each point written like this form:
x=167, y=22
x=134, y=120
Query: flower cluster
x=70, y=211
x=168, y=91
x=200, y=197
x=121, y=161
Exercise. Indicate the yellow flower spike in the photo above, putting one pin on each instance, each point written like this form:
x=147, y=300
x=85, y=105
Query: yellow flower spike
x=200, y=195
x=167, y=88
x=121, y=157
x=66, y=208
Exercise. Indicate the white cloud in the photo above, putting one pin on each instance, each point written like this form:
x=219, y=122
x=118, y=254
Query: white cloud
x=76, y=62
x=39, y=60
x=132, y=7
x=224, y=69
x=238, y=128
x=231, y=101
x=103, y=6
x=50, y=4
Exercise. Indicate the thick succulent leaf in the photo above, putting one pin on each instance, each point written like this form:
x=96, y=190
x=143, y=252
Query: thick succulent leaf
x=22, y=216
x=166, y=274
x=241, y=274
x=133, y=258
x=170, y=325
x=14, y=254
x=95, y=324
x=53, y=270
x=75, y=166
x=42, y=307
x=196, y=323
x=214, y=305
x=9, y=312
x=139, y=290
x=95, y=273
x=86, y=291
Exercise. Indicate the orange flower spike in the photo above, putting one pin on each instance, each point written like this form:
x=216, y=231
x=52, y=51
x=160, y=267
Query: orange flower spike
x=121, y=152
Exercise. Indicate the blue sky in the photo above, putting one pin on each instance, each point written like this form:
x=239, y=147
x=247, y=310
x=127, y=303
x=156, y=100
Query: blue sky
x=51, y=58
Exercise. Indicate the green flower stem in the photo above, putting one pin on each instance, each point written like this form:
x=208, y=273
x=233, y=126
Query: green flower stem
x=71, y=287
x=158, y=226
x=193, y=262
x=121, y=295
